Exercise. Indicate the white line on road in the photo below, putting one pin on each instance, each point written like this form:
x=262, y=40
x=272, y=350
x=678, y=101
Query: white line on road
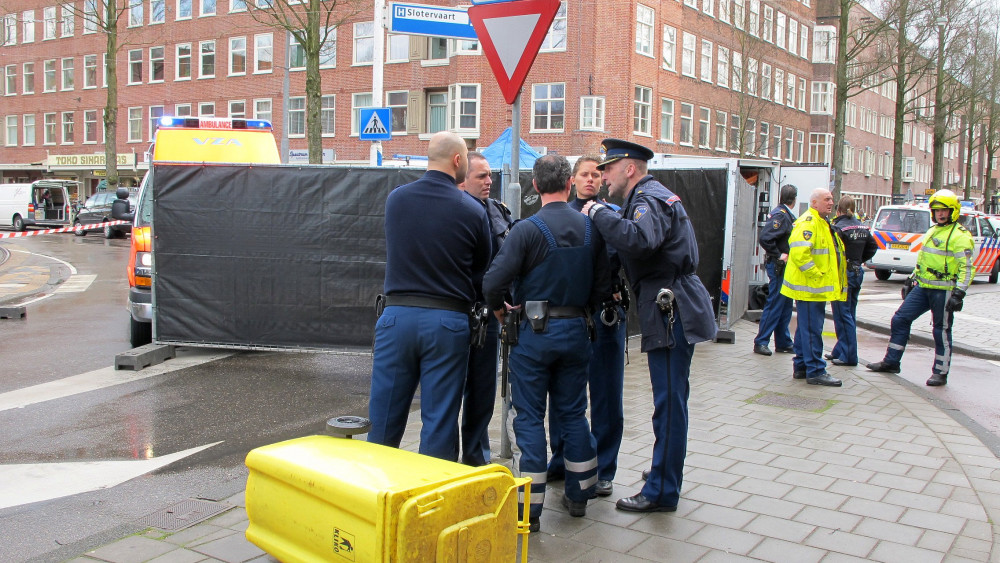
x=77, y=283
x=72, y=269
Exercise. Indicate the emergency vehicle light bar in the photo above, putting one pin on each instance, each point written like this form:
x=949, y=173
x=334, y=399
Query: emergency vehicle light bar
x=213, y=123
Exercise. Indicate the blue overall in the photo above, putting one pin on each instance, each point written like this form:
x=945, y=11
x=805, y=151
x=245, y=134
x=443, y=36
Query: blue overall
x=554, y=364
x=844, y=315
x=809, y=338
x=918, y=301
x=480, y=395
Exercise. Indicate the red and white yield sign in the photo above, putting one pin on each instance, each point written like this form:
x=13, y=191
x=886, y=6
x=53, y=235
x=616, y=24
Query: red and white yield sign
x=511, y=34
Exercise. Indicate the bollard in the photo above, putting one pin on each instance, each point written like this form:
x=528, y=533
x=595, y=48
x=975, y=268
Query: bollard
x=347, y=426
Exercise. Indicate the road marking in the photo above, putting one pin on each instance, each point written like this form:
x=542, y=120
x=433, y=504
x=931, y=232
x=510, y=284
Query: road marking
x=101, y=378
x=34, y=482
x=964, y=316
x=12, y=285
x=72, y=269
x=76, y=284
x=994, y=362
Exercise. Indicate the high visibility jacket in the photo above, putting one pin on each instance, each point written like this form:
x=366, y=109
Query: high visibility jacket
x=945, y=259
x=817, y=269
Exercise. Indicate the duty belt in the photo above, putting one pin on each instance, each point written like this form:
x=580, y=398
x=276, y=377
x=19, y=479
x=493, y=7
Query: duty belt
x=428, y=303
x=566, y=312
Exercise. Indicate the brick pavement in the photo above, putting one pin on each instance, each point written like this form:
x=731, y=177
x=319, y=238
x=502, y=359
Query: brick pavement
x=871, y=472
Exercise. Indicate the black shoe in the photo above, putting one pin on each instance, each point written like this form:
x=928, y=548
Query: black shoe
x=553, y=476
x=798, y=375
x=639, y=503
x=883, y=367
x=576, y=508
x=604, y=488
x=824, y=379
x=761, y=349
x=839, y=362
x=782, y=350
x=534, y=524
x=828, y=356
x=645, y=474
x=938, y=380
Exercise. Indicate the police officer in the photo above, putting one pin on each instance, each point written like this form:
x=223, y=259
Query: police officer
x=481, y=380
x=559, y=266
x=607, y=360
x=859, y=247
x=943, y=274
x=816, y=273
x=437, y=242
x=655, y=241
x=777, y=311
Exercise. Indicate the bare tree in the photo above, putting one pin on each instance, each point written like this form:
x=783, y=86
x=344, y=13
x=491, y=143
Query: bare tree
x=751, y=88
x=991, y=123
x=979, y=69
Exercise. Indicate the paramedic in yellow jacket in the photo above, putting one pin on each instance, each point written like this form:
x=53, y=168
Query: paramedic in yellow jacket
x=816, y=273
x=944, y=272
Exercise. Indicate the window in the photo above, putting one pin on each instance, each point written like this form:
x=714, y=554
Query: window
x=645, y=17
x=156, y=65
x=847, y=156
x=157, y=11
x=437, y=50
x=207, y=8
x=687, y=55
x=28, y=78
x=687, y=123
x=297, y=116
x=437, y=111
x=9, y=31
x=707, y=6
x=10, y=80
x=804, y=41
x=49, y=128
x=735, y=132
x=237, y=6
x=779, y=31
x=327, y=115
x=465, y=107
x=548, y=107
x=11, y=131
x=262, y=109
x=49, y=29
x=155, y=113
x=397, y=101
x=134, y=125
x=237, y=109
x=704, y=127
x=722, y=73
x=790, y=94
x=869, y=162
x=725, y=11
x=819, y=147
x=364, y=43
x=720, y=130
x=399, y=48
x=793, y=36
x=183, y=66
x=908, y=164
x=555, y=39
x=737, y=83
x=67, y=20
x=752, y=76
x=765, y=81
x=89, y=71
x=592, y=113
x=465, y=47
x=706, y=60
x=669, y=48
x=802, y=95
x=90, y=126
x=789, y=133
x=750, y=137
x=364, y=100
x=183, y=9
x=206, y=59
x=753, y=25
x=28, y=29
x=237, y=56
x=68, y=73
x=666, y=120
x=263, y=53
x=90, y=17
x=328, y=50
x=28, y=129
x=765, y=137
x=135, y=15
x=691, y=3
x=779, y=86
x=296, y=53
x=739, y=13
x=49, y=70
x=767, y=31
x=206, y=109
x=642, y=108
x=135, y=66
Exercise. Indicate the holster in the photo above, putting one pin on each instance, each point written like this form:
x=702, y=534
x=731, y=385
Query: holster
x=511, y=327
x=538, y=315
x=478, y=321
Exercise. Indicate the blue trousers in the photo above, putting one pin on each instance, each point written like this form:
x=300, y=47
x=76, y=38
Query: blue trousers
x=777, y=313
x=480, y=396
x=606, y=381
x=917, y=302
x=845, y=314
x=426, y=346
x=809, y=338
x=550, y=364
x=669, y=369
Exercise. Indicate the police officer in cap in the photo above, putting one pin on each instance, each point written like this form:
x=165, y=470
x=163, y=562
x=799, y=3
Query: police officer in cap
x=655, y=240
x=859, y=247
x=777, y=311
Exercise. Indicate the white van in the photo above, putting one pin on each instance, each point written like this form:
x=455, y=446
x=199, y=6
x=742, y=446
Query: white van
x=44, y=203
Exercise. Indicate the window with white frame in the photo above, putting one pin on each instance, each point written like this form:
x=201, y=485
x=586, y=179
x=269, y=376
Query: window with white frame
x=767, y=29
x=90, y=17
x=722, y=72
x=751, y=76
x=765, y=81
x=157, y=11
x=237, y=109
x=789, y=141
x=206, y=109
x=869, y=161
x=704, y=127
x=779, y=30
x=89, y=71
x=753, y=22
x=645, y=17
x=739, y=14
x=465, y=47
x=262, y=109
x=688, y=54
x=691, y=4
x=364, y=100
x=28, y=78
x=9, y=32
x=49, y=27
x=10, y=80
x=184, y=10
x=156, y=64
x=687, y=125
x=708, y=7
x=706, y=60
x=825, y=44
x=666, y=120
x=135, y=66
x=135, y=13
x=725, y=11
x=28, y=25
x=182, y=110
x=721, y=119
x=548, y=103
x=28, y=130
x=328, y=115
x=49, y=71
x=49, y=128
x=206, y=59
x=397, y=102
x=790, y=93
x=11, y=131
x=328, y=50
x=847, y=159
x=669, y=48
x=68, y=20
x=819, y=147
x=182, y=67
x=765, y=139
x=134, y=125
x=750, y=137
x=776, y=141
x=68, y=73
x=555, y=39
x=592, y=113
x=737, y=83
x=297, y=116
x=237, y=6
x=364, y=43
x=207, y=8
x=793, y=37
x=642, y=108
x=296, y=53
x=779, y=86
x=263, y=53
x=237, y=56
x=437, y=51
x=155, y=113
x=436, y=111
x=90, y=126
x=464, y=99
x=804, y=41
x=399, y=48
x=802, y=95
x=735, y=132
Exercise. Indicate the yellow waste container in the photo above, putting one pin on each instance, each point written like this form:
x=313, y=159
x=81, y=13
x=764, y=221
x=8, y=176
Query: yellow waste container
x=321, y=498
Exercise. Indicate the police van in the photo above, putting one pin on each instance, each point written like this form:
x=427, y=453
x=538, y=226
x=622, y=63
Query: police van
x=899, y=229
x=187, y=140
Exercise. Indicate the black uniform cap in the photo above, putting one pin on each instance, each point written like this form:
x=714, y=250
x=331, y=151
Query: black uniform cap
x=617, y=149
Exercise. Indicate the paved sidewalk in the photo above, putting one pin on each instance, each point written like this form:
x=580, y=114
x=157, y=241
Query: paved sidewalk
x=869, y=471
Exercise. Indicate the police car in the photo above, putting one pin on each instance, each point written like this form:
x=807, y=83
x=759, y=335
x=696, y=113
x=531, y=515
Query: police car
x=899, y=229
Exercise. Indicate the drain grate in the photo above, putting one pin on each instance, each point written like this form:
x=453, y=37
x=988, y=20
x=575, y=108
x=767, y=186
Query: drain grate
x=183, y=514
x=791, y=402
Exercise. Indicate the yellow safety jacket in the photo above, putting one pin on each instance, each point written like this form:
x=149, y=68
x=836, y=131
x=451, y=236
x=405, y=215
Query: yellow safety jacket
x=945, y=259
x=817, y=269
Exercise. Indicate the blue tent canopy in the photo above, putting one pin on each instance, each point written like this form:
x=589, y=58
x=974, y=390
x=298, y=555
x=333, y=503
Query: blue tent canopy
x=498, y=153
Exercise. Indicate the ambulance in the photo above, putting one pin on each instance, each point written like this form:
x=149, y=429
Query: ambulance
x=188, y=140
x=899, y=229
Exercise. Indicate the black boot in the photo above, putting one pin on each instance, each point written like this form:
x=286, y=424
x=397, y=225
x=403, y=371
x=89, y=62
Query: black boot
x=937, y=380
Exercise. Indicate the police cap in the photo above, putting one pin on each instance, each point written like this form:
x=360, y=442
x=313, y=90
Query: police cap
x=617, y=149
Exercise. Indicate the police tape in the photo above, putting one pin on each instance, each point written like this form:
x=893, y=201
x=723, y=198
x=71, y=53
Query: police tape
x=62, y=230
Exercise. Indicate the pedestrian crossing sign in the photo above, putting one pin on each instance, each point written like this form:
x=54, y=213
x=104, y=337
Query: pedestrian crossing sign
x=376, y=124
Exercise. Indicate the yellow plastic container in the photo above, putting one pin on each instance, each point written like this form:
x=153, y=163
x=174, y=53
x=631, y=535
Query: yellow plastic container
x=321, y=498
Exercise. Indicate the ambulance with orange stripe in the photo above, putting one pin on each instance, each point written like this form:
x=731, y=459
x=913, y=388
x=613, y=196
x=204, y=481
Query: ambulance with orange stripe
x=183, y=140
x=899, y=230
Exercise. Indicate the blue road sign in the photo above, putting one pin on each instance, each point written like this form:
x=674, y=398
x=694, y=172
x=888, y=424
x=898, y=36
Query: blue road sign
x=376, y=124
x=435, y=21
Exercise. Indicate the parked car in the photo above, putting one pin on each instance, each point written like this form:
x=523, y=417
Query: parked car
x=97, y=209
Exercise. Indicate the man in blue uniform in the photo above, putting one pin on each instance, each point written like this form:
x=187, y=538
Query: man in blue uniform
x=481, y=381
x=655, y=240
x=859, y=247
x=437, y=242
x=559, y=266
x=777, y=311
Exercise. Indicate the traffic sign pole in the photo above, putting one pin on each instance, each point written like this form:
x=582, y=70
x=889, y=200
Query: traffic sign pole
x=375, y=154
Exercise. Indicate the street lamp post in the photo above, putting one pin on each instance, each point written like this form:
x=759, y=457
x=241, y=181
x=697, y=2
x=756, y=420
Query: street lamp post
x=939, y=114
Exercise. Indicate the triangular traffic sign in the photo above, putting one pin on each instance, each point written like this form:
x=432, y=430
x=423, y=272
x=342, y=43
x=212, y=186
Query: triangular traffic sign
x=511, y=34
x=374, y=126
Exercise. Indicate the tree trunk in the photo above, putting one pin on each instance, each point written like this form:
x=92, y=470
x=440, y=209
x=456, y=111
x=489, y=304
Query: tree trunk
x=111, y=107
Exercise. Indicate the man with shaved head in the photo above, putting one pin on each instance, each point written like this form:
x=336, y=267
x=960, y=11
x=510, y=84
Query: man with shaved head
x=437, y=242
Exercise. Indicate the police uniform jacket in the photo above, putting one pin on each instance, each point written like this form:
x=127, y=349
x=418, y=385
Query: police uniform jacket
x=859, y=244
x=500, y=222
x=616, y=263
x=945, y=259
x=816, y=268
x=656, y=242
x=774, y=235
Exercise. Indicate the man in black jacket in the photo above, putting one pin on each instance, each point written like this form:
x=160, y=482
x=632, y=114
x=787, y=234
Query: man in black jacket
x=778, y=308
x=859, y=247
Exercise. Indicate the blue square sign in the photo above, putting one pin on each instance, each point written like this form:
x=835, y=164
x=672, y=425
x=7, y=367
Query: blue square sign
x=376, y=124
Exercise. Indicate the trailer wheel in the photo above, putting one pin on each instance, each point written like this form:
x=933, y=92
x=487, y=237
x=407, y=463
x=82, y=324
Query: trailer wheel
x=18, y=223
x=995, y=272
x=140, y=334
x=881, y=274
